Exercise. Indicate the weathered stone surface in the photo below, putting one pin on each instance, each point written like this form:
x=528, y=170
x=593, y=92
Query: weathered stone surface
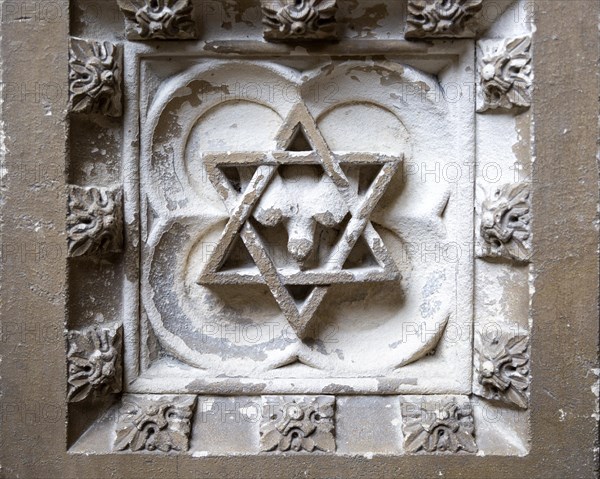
x=94, y=361
x=299, y=20
x=180, y=338
x=154, y=423
x=158, y=19
x=368, y=423
x=95, y=220
x=505, y=74
x=95, y=76
x=440, y=18
x=437, y=425
x=298, y=424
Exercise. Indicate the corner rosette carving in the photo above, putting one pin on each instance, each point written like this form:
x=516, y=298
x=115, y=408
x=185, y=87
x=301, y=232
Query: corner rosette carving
x=502, y=368
x=154, y=423
x=94, y=220
x=505, y=75
x=301, y=423
x=448, y=428
x=505, y=229
x=440, y=18
x=158, y=19
x=299, y=20
x=95, y=77
x=94, y=362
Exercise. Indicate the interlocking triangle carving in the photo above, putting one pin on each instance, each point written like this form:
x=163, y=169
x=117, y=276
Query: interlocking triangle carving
x=300, y=128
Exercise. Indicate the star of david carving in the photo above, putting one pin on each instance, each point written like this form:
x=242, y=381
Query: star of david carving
x=247, y=211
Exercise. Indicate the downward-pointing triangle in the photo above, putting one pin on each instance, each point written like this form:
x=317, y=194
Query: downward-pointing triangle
x=300, y=293
x=301, y=318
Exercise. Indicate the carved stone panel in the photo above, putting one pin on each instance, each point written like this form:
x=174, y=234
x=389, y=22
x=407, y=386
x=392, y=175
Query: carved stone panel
x=314, y=215
x=318, y=229
x=299, y=238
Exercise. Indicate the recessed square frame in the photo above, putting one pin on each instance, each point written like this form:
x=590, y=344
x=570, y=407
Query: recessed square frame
x=454, y=63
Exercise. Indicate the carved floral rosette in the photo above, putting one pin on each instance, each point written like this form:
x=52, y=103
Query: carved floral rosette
x=158, y=19
x=154, y=422
x=94, y=362
x=299, y=20
x=442, y=424
x=440, y=18
x=502, y=368
x=505, y=74
x=293, y=423
x=95, y=76
x=504, y=223
x=95, y=220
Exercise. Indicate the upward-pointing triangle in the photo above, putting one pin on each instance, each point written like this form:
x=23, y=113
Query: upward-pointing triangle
x=300, y=121
x=299, y=142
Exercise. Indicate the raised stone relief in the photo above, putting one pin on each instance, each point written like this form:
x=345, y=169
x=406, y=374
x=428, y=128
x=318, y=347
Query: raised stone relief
x=505, y=74
x=94, y=362
x=502, y=368
x=95, y=76
x=292, y=423
x=505, y=229
x=94, y=221
x=438, y=425
x=158, y=19
x=299, y=200
x=152, y=423
x=440, y=18
x=299, y=20
x=299, y=225
x=288, y=242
